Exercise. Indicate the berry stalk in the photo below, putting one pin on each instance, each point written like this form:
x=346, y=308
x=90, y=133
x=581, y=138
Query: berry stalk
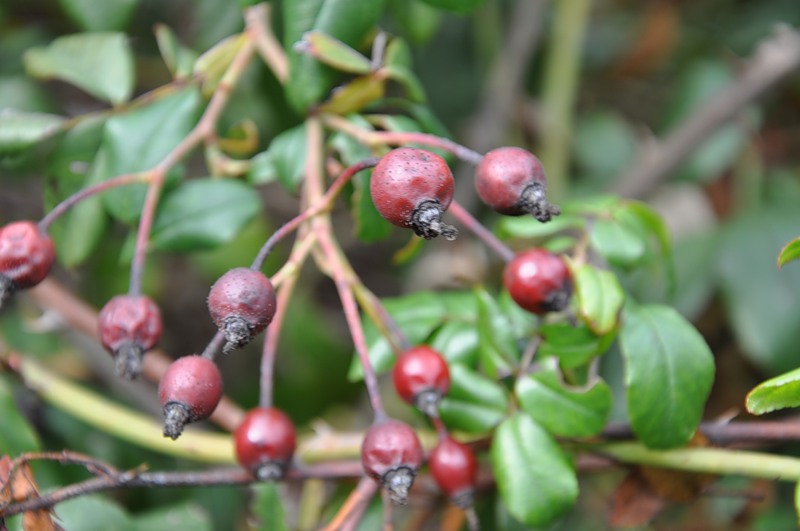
x=484, y=234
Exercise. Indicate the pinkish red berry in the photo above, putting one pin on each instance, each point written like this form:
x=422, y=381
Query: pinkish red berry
x=421, y=377
x=511, y=180
x=241, y=303
x=539, y=281
x=454, y=468
x=189, y=391
x=412, y=188
x=26, y=257
x=391, y=454
x=129, y=326
x=265, y=443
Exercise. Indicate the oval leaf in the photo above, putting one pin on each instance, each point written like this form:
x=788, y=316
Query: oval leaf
x=458, y=343
x=21, y=130
x=536, y=480
x=204, y=213
x=669, y=370
x=474, y=404
x=777, y=393
x=283, y=161
x=100, y=15
x=617, y=242
x=572, y=345
x=564, y=410
x=334, y=52
x=99, y=63
x=790, y=252
x=600, y=298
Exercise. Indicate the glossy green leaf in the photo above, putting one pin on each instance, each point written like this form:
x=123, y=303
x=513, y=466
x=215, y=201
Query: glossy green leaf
x=475, y=403
x=776, y=393
x=178, y=58
x=458, y=342
x=283, y=161
x=457, y=6
x=572, y=345
x=355, y=95
x=138, y=140
x=187, y=515
x=100, y=15
x=16, y=434
x=99, y=63
x=204, y=213
x=417, y=315
x=408, y=80
x=498, y=343
x=398, y=53
x=789, y=253
x=345, y=20
x=268, y=508
x=619, y=243
x=334, y=53
x=562, y=409
x=763, y=304
x=528, y=227
x=21, y=130
x=669, y=370
x=536, y=480
x=93, y=513
x=370, y=225
x=600, y=298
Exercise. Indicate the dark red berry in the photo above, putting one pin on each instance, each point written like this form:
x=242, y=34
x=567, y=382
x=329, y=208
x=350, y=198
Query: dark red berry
x=26, y=257
x=538, y=281
x=265, y=443
x=129, y=326
x=412, y=188
x=454, y=467
x=189, y=391
x=242, y=304
x=391, y=454
x=512, y=181
x=421, y=377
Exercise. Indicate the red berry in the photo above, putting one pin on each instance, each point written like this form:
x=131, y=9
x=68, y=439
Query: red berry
x=538, y=281
x=26, y=257
x=391, y=454
x=412, y=188
x=421, y=377
x=242, y=304
x=454, y=467
x=129, y=326
x=265, y=442
x=189, y=391
x=512, y=181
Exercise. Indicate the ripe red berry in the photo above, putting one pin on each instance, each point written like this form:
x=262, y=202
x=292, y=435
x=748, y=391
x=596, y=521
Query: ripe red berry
x=454, y=467
x=538, y=281
x=242, y=304
x=412, y=188
x=391, y=454
x=129, y=326
x=512, y=181
x=189, y=391
x=26, y=257
x=421, y=377
x=265, y=442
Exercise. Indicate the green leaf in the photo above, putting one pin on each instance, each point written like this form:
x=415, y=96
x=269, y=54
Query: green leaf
x=99, y=63
x=355, y=95
x=789, y=253
x=267, y=507
x=669, y=370
x=21, y=130
x=417, y=20
x=214, y=62
x=408, y=80
x=138, y=140
x=93, y=513
x=417, y=315
x=528, y=227
x=619, y=243
x=474, y=403
x=334, y=53
x=458, y=342
x=561, y=409
x=777, y=393
x=536, y=480
x=763, y=305
x=204, y=213
x=497, y=340
x=370, y=225
x=457, y=6
x=184, y=515
x=345, y=20
x=178, y=58
x=16, y=434
x=572, y=345
x=600, y=298
x=100, y=15
x=604, y=144
x=283, y=161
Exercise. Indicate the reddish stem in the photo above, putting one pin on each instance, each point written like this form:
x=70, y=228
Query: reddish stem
x=210, y=352
x=271, y=342
x=354, y=505
x=62, y=208
x=477, y=228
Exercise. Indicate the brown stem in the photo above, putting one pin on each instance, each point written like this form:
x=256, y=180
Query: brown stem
x=271, y=342
x=477, y=228
x=357, y=500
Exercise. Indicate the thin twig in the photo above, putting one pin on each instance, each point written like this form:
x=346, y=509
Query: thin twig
x=775, y=58
x=484, y=234
x=355, y=504
x=258, y=20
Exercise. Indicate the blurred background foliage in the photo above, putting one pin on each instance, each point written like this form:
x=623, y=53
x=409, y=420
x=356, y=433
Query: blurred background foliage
x=646, y=66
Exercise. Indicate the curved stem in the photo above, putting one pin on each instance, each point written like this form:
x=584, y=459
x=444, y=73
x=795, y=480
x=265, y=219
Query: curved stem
x=477, y=228
x=258, y=19
x=62, y=208
x=358, y=499
x=270, y=348
x=210, y=352
x=377, y=313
